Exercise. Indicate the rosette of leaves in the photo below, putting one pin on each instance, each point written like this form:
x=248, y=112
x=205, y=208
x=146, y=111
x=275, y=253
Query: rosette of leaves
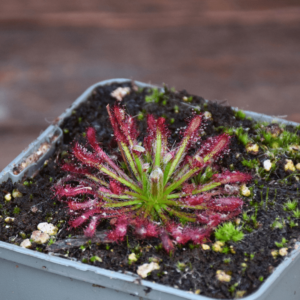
x=157, y=195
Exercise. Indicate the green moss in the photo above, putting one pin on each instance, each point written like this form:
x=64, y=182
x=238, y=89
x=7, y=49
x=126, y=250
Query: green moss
x=51, y=241
x=227, y=260
x=181, y=266
x=176, y=109
x=140, y=116
x=95, y=258
x=291, y=205
x=277, y=224
x=278, y=144
x=292, y=224
x=242, y=136
x=16, y=210
x=228, y=232
x=240, y=115
x=296, y=213
x=158, y=247
x=85, y=260
x=251, y=164
x=281, y=244
x=155, y=97
x=233, y=287
x=226, y=250
x=245, y=216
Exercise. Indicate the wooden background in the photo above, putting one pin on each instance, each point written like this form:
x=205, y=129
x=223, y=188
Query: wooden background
x=245, y=52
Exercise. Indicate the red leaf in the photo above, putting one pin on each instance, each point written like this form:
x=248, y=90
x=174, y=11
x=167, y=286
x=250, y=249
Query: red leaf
x=224, y=204
x=166, y=242
x=91, y=228
x=231, y=177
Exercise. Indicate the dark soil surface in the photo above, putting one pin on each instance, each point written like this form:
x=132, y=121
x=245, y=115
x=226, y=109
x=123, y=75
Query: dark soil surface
x=252, y=261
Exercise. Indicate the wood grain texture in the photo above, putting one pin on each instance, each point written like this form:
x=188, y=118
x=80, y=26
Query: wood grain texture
x=244, y=52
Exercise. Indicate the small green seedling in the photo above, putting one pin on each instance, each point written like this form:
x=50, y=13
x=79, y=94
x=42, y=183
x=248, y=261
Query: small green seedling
x=140, y=116
x=242, y=136
x=155, y=97
x=16, y=211
x=282, y=244
x=85, y=260
x=123, y=166
x=158, y=247
x=254, y=218
x=187, y=99
x=95, y=258
x=245, y=216
x=251, y=164
x=51, y=241
x=229, y=131
x=296, y=213
x=233, y=288
x=293, y=224
x=240, y=115
x=226, y=250
x=228, y=232
x=192, y=246
x=291, y=205
x=227, y=260
x=248, y=228
x=277, y=224
x=181, y=266
x=204, y=177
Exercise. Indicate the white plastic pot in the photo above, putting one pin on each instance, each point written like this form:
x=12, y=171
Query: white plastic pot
x=27, y=274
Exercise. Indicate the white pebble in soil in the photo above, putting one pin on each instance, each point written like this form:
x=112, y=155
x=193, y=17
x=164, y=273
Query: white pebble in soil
x=26, y=244
x=145, y=269
x=7, y=197
x=39, y=237
x=47, y=228
x=120, y=93
x=267, y=165
x=9, y=219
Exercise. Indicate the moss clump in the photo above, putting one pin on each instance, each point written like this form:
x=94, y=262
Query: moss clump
x=228, y=232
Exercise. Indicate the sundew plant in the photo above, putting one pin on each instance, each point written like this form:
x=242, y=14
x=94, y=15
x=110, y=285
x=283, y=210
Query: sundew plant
x=156, y=194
